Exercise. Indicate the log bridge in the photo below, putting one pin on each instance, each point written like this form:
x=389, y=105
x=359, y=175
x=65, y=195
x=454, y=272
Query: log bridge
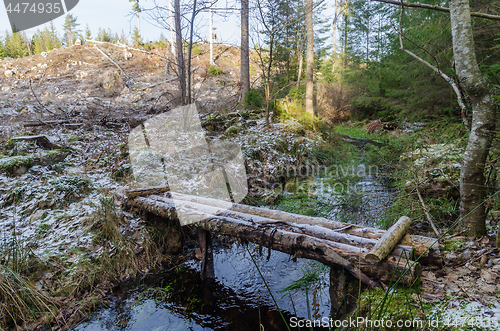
x=374, y=256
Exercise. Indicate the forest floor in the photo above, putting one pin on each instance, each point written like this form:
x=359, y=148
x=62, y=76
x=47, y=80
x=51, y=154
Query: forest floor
x=66, y=238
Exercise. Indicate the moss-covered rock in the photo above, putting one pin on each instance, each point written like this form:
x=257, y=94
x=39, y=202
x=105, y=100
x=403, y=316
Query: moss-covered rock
x=18, y=165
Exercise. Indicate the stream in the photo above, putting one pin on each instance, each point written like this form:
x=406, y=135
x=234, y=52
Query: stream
x=240, y=299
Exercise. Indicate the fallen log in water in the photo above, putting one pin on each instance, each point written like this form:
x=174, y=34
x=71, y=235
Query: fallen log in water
x=297, y=244
x=424, y=247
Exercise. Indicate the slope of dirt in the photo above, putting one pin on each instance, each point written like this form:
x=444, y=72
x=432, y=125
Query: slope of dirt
x=81, y=83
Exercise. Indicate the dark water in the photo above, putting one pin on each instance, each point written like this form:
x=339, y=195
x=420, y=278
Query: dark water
x=239, y=299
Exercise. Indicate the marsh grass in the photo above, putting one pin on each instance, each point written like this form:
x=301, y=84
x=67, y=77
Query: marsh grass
x=117, y=260
x=21, y=303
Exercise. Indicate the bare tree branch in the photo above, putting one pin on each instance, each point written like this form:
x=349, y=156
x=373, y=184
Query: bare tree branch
x=438, y=8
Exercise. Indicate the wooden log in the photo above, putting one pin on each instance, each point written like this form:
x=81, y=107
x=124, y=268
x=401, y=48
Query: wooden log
x=312, y=230
x=41, y=141
x=27, y=124
x=426, y=248
x=389, y=240
x=207, y=262
x=146, y=191
x=296, y=244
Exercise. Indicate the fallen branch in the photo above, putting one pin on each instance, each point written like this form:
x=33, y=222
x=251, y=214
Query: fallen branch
x=310, y=230
x=116, y=64
x=36, y=98
x=438, y=8
x=27, y=124
x=419, y=243
x=426, y=212
x=126, y=47
x=41, y=141
x=165, y=81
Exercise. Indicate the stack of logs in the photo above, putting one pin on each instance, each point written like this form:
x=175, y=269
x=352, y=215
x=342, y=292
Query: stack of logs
x=374, y=256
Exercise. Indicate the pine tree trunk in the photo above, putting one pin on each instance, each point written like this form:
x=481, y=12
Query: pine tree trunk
x=211, y=36
x=334, y=26
x=245, y=57
x=472, y=181
x=172, y=38
x=310, y=58
x=180, y=55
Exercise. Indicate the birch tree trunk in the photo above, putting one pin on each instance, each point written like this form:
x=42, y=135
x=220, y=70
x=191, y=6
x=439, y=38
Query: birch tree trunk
x=310, y=58
x=245, y=57
x=472, y=181
x=181, y=70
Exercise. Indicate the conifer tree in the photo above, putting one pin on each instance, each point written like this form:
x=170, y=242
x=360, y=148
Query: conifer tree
x=123, y=38
x=88, y=33
x=70, y=29
x=136, y=37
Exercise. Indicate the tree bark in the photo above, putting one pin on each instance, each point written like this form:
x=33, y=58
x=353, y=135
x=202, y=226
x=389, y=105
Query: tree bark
x=438, y=8
x=191, y=32
x=423, y=246
x=181, y=71
x=389, y=240
x=245, y=54
x=299, y=245
x=472, y=182
x=313, y=230
x=310, y=58
x=172, y=38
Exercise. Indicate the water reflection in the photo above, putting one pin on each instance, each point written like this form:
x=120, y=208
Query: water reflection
x=239, y=300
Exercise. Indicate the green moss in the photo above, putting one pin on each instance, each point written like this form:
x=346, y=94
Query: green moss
x=400, y=305
x=9, y=164
x=73, y=138
x=71, y=184
x=454, y=244
x=232, y=131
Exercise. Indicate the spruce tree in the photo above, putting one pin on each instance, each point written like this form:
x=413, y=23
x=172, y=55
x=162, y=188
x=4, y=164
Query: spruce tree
x=88, y=33
x=136, y=37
